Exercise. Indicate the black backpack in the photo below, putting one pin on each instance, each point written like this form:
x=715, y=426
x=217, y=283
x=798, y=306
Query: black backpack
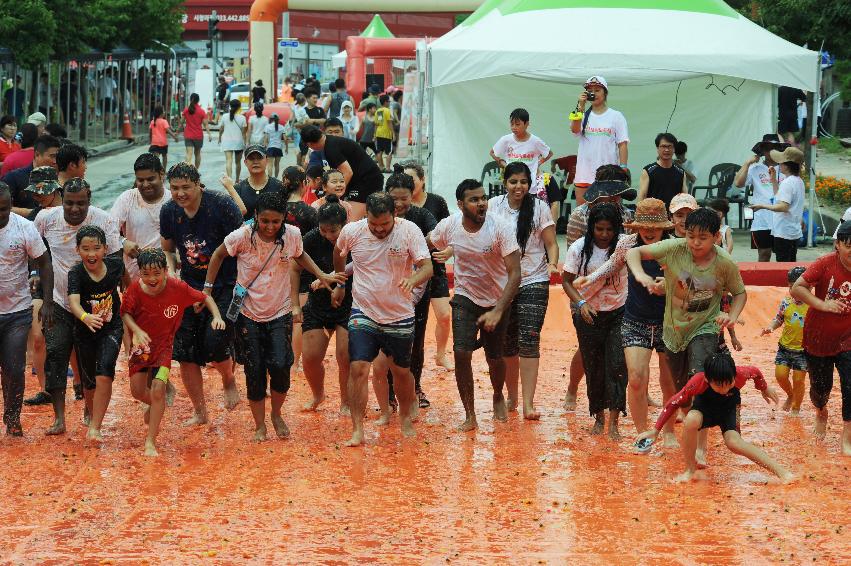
x=337, y=100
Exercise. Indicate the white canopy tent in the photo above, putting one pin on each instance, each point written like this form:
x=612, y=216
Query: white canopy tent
x=695, y=68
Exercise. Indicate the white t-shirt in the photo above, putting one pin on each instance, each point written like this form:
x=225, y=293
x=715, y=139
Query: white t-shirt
x=529, y=152
x=533, y=263
x=845, y=218
x=599, y=145
x=787, y=225
x=480, y=273
x=612, y=294
x=380, y=265
x=763, y=193
x=19, y=241
x=269, y=296
x=140, y=222
x=62, y=239
x=257, y=128
x=274, y=136
x=232, y=139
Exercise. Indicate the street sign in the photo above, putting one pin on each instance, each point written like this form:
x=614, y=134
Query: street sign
x=289, y=42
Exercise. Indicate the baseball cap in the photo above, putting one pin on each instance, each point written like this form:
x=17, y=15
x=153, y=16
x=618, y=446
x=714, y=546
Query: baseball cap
x=597, y=80
x=37, y=118
x=43, y=181
x=683, y=200
x=255, y=148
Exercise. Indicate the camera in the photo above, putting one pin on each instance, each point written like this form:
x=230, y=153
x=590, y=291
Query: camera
x=590, y=96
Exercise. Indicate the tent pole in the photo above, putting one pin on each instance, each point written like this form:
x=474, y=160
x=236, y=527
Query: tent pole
x=814, y=146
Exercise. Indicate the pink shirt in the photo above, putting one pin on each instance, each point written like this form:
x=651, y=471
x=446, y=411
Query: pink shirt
x=159, y=130
x=139, y=221
x=193, y=129
x=269, y=296
x=480, y=273
x=20, y=158
x=380, y=265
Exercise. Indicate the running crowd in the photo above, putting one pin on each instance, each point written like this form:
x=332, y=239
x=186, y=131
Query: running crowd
x=263, y=274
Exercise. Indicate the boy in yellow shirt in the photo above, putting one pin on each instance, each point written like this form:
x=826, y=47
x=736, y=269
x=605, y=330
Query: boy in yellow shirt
x=384, y=133
x=790, y=349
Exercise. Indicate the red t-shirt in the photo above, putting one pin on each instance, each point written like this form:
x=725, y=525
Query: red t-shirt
x=309, y=197
x=193, y=130
x=159, y=132
x=698, y=384
x=20, y=158
x=7, y=148
x=825, y=333
x=160, y=317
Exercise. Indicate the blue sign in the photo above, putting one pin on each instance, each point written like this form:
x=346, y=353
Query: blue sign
x=288, y=43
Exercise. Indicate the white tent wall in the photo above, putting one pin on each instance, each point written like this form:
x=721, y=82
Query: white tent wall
x=468, y=117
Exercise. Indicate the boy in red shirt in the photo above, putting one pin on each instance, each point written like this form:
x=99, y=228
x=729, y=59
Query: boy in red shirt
x=152, y=309
x=826, y=287
x=714, y=397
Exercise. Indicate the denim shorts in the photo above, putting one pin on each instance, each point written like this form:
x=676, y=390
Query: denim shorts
x=367, y=338
x=794, y=359
x=645, y=335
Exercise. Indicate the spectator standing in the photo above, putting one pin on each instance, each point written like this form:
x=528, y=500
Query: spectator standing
x=662, y=179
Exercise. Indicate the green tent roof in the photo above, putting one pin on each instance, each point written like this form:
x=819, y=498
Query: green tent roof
x=506, y=7
x=377, y=28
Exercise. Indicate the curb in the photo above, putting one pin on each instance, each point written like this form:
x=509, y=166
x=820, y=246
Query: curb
x=110, y=147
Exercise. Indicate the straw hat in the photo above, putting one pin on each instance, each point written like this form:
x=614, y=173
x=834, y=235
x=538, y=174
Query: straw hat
x=792, y=154
x=650, y=213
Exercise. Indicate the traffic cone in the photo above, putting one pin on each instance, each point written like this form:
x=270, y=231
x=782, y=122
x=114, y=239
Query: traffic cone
x=126, y=129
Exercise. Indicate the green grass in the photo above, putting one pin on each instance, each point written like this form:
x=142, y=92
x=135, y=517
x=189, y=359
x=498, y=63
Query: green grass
x=832, y=145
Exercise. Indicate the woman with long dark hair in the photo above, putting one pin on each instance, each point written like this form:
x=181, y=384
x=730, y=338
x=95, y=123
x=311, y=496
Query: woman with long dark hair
x=195, y=123
x=536, y=235
x=232, y=136
x=598, y=315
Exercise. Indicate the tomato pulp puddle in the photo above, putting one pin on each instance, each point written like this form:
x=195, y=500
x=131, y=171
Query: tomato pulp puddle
x=542, y=492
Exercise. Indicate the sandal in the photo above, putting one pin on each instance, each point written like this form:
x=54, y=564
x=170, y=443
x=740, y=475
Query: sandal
x=423, y=400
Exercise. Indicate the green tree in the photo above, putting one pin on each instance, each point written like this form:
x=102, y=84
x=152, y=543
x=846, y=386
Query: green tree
x=160, y=20
x=27, y=28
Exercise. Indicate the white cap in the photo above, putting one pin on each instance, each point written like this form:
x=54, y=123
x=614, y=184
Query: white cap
x=37, y=118
x=597, y=80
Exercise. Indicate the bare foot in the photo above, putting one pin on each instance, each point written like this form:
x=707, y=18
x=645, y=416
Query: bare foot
x=356, y=439
x=94, y=434
x=260, y=434
x=787, y=477
x=700, y=458
x=530, y=414
x=58, y=427
x=231, y=397
x=196, y=419
x=669, y=440
x=345, y=411
x=570, y=401
x=795, y=413
x=314, y=403
x=408, y=429
x=500, y=413
x=511, y=404
x=684, y=477
x=444, y=362
x=787, y=404
x=651, y=402
x=383, y=419
x=599, y=425
x=820, y=428
x=415, y=411
x=151, y=449
x=469, y=424
x=614, y=433
x=281, y=428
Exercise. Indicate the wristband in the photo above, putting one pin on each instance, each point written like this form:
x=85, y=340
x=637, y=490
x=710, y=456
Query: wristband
x=208, y=285
x=121, y=241
x=82, y=318
x=580, y=303
x=33, y=273
x=623, y=165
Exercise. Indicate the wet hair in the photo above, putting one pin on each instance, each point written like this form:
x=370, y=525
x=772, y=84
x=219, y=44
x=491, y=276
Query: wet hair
x=311, y=134
x=68, y=154
x=526, y=214
x=151, y=257
x=183, y=170
x=326, y=175
x=258, y=109
x=292, y=178
x=668, y=137
x=520, y=114
x=333, y=122
x=315, y=172
x=77, y=185
x=611, y=172
x=719, y=368
x=466, y=185
x=274, y=119
x=602, y=212
x=57, y=130
x=410, y=164
x=719, y=205
x=680, y=148
x=384, y=99
x=148, y=161
x=6, y=120
x=843, y=233
x=273, y=201
x=158, y=111
x=703, y=219
x=91, y=231
x=399, y=181
x=369, y=106
x=45, y=142
x=5, y=191
x=332, y=212
x=380, y=203
x=233, y=106
x=795, y=273
x=29, y=133
x=194, y=99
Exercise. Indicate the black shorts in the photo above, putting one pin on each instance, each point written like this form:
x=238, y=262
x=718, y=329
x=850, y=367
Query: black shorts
x=359, y=192
x=369, y=145
x=325, y=319
x=690, y=361
x=268, y=352
x=636, y=334
x=761, y=239
x=384, y=145
x=97, y=352
x=274, y=152
x=465, y=328
x=785, y=249
x=525, y=320
x=196, y=342
x=161, y=149
x=194, y=144
x=718, y=410
x=59, y=342
x=439, y=287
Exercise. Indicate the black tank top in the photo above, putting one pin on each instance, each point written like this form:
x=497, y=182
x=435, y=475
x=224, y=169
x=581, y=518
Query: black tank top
x=665, y=183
